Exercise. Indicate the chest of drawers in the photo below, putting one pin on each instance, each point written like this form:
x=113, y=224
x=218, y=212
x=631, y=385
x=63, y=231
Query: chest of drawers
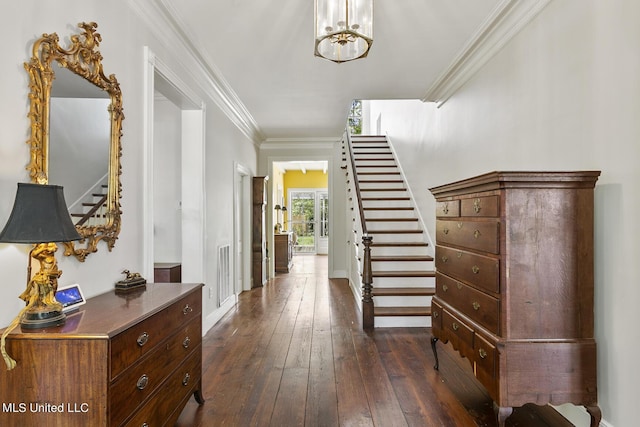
x=283, y=248
x=131, y=359
x=514, y=285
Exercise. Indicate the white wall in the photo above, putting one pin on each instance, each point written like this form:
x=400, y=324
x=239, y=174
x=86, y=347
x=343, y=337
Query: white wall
x=562, y=95
x=167, y=176
x=124, y=36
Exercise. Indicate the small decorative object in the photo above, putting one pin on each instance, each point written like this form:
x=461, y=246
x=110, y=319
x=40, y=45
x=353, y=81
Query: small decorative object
x=39, y=217
x=130, y=282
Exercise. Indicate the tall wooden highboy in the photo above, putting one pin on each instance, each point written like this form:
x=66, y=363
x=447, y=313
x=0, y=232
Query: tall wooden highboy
x=260, y=257
x=515, y=285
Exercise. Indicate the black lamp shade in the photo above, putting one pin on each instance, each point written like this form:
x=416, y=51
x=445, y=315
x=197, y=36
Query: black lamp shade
x=39, y=215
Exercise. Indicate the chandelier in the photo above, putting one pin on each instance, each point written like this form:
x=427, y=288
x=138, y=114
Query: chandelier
x=344, y=29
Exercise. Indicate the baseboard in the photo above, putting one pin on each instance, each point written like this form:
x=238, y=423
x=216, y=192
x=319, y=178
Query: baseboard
x=217, y=314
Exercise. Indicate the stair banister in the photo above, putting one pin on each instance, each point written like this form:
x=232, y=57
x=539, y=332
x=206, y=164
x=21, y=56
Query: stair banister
x=367, y=276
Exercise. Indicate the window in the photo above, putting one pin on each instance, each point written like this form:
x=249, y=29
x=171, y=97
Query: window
x=355, y=117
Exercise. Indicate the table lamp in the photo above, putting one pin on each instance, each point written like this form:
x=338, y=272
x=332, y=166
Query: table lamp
x=40, y=217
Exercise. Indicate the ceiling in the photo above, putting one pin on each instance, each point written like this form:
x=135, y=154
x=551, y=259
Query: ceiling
x=263, y=51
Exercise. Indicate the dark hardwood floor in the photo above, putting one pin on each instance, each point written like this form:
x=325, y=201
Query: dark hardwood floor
x=294, y=354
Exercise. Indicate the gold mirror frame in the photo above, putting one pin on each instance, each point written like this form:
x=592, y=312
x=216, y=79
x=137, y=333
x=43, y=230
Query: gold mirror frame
x=83, y=59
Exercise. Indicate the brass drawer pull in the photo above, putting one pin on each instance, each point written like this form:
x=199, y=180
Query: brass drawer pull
x=187, y=309
x=142, y=339
x=475, y=305
x=455, y=326
x=186, y=342
x=436, y=314
x=475, y=269
x=445, y=230
x=445, y=208
x=445, y=258
x=143, y=381
x=186, y=379
x=482, y=352
x=476, y=234
x=445, y=288
x=459, y=285
x=145, y=425
x=476, y=206
x=459, y=254
x=460, y=225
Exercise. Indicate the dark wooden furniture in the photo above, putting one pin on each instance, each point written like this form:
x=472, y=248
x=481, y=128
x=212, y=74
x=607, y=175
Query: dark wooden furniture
x=283, y=248
x=260, y=257
x=514, y=285
x=122, y=359
x=167, y=272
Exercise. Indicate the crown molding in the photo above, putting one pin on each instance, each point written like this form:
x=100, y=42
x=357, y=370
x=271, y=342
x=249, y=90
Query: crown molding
x=504, y=22
x=300, y=143
x=172, y=33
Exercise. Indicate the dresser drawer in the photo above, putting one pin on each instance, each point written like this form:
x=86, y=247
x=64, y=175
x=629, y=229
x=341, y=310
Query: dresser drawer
x=141, y=380
x=478, y=235
x=486, y=206
x=135, y=342
x=485, y=358
x=436, y=315
x=174, y=390
x=478, y=270
x=476, y=305
x=450, y=208
x=458, y=332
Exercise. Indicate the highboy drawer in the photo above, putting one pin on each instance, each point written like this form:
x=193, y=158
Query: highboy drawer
x=449, y=208
x=478, y=235
x=130, y=345
x=477, y=305
x=485, y=357
x=460, y=335
x=487, y=206
x=480, y=271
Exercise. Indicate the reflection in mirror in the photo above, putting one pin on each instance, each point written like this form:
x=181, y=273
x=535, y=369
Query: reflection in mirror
x=76, y=121
x=79, y=130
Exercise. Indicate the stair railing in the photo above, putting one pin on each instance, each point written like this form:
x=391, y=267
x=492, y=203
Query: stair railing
x=360, y=229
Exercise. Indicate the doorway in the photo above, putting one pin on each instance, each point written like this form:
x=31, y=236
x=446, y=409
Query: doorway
x=174, y=164
x=308, y=218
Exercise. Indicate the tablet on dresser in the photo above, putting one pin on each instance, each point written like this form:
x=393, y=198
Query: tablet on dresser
x=71, y=297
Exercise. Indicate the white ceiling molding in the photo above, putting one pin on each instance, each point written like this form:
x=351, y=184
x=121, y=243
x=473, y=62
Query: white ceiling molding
x=163, y=23
x=505, y=21
x=300, y=143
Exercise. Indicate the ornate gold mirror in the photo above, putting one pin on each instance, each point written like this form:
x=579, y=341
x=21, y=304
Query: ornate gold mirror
x=76, y=126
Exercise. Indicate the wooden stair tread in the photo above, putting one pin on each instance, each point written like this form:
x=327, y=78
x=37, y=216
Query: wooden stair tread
x=395, y=231
x=402, y=311
x=387, y=292
x=398, y=244
x=378, y=173
x=405, y=273
x=401, y=258
x=386, y=198
x=391, y=219
x=389, y=208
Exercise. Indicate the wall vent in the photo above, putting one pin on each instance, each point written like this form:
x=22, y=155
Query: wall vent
x=224, y=277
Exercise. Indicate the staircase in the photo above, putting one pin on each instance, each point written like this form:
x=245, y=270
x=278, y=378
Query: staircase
x=92, y=210
x=402, y=268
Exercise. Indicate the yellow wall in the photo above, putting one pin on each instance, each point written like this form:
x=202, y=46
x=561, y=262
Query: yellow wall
x=311, y=179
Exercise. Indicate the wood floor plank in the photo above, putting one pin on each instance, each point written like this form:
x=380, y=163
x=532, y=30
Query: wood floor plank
x=293, y=353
